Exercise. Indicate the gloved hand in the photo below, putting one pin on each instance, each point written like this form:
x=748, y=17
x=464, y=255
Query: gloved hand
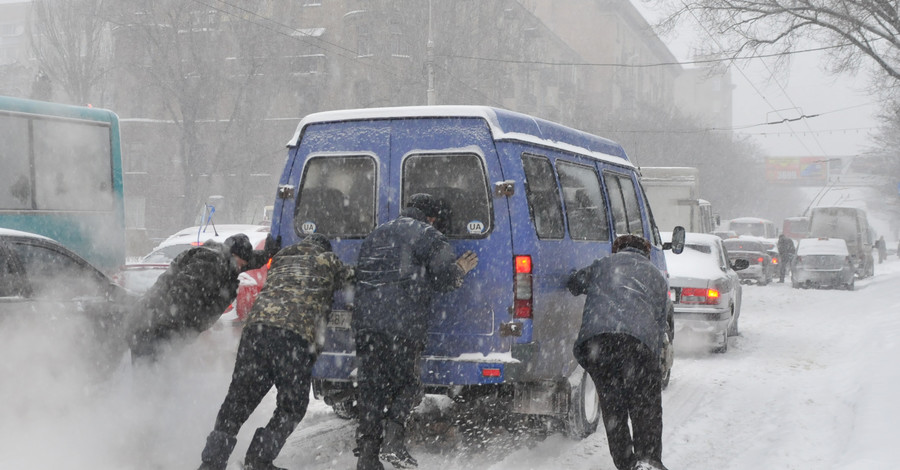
x=467, y=261
x=272, y=246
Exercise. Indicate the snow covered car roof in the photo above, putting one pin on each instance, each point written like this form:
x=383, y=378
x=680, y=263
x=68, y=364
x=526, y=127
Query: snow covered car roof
x=195, y=236
x=694, y=262
x=822, y=246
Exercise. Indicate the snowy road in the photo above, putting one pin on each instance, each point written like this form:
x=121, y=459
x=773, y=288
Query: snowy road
x=809, y=384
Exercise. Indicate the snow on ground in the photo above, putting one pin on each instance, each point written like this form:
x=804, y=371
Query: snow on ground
x=809, y=384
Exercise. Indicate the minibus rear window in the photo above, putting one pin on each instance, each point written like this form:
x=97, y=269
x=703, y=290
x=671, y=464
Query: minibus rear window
x=459, y=182
x=337, y=197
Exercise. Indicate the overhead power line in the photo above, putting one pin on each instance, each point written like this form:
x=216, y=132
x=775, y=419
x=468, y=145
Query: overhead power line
x=639, y=66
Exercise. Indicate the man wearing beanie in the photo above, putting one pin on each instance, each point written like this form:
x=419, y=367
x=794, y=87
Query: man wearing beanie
x=194, y=291
x=401, y=264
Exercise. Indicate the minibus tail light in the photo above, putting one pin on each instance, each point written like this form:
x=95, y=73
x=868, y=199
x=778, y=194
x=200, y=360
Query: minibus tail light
x=522, y=287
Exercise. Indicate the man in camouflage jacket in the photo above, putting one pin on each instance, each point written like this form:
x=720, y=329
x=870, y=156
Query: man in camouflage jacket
x=193, y=293
x=279, y=346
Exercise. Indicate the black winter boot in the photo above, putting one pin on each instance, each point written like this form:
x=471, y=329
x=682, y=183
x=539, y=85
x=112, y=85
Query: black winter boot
x=218, y=447
x=263, y=449
x=394, y=450
x=368, y=456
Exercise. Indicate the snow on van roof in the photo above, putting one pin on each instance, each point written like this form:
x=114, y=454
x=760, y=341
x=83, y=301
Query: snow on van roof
x=504, y=124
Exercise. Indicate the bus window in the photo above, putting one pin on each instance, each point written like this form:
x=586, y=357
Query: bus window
x=337, y=197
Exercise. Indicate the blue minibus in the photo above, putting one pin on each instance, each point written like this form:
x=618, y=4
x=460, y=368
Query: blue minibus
x=534, y=199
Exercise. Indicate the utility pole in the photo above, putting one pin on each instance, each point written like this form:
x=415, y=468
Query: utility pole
x=429, y=61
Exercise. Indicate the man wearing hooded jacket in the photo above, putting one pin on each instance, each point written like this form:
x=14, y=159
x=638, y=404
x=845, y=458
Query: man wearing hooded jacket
x=190, y=296
x=279, y=345
x=619, y=345
x=401, y=264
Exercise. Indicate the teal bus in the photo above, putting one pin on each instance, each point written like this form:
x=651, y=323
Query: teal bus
x=62, y=177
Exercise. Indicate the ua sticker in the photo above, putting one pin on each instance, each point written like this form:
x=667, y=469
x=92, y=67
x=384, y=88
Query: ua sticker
x=308, y=227
x=475, y=227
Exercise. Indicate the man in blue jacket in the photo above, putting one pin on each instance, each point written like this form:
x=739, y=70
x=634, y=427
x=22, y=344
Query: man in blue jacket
x=401, y=264
x=619, y=345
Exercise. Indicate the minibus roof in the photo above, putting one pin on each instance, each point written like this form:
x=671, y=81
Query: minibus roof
x=505, y=125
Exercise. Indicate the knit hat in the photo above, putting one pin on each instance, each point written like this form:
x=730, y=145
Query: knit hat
x=239, y=245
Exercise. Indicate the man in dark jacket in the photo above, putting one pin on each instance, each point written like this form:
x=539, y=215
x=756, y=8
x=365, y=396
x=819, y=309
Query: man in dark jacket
x=619, y=345
x=194, y=291
x=401, y=264
x=786, y=252
x=279, y=345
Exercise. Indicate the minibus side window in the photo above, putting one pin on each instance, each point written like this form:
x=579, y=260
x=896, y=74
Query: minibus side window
x=654, y=230
x=625, y=207
x=337, y=197
x=543, y=196
x=460, y=184
x=585, y=207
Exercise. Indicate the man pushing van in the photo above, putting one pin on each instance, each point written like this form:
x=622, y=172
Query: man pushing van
x=619, y=344
x=401, y=264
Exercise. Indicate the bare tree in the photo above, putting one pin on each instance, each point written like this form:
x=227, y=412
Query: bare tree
x=206, y=67
x=71, y=42
x=852, y=30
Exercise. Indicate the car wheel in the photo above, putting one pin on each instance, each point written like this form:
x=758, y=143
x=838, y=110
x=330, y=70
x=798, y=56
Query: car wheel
x=723, y=347
x=763, y=280
x=584, y=408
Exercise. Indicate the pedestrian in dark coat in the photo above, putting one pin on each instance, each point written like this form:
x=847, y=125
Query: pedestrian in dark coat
x=194, y=291
x=279, y=345
x=401, y=264
x=786, y=252
x=881, y=246
x=619, y=345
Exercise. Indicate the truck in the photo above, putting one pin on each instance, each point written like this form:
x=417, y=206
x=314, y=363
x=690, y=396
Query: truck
x=674, y=193
x=850, y=224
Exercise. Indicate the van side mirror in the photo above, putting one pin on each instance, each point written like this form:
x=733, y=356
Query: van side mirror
x=677, y=243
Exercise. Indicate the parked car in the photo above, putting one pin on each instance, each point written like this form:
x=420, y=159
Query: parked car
x=823, y=262
x=77, y=311
x=759, y=260
x=705, y=288
x=139, y=276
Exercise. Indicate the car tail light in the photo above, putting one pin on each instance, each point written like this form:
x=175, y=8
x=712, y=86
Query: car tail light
x=759, y=260
x=522, y=287
x=699, y=296
x=774, y=260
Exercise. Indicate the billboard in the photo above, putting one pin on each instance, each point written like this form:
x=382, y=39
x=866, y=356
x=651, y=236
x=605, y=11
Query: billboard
x=797, y=171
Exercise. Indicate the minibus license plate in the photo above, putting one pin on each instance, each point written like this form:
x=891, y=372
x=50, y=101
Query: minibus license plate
x=340, y=319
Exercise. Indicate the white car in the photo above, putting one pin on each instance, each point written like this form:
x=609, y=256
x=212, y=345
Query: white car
x=704, y=288
x=139, y=276
x=823, y=262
